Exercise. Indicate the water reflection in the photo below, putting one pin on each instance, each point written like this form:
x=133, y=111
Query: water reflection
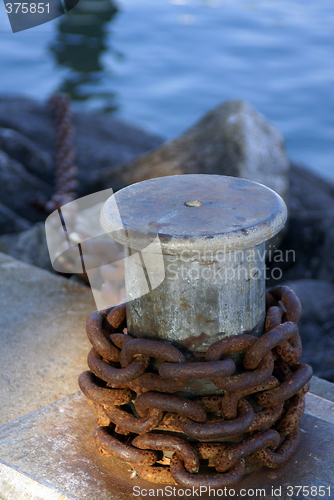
x=80, y=42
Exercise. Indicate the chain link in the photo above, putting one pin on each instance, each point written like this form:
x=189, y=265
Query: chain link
x=256, y=413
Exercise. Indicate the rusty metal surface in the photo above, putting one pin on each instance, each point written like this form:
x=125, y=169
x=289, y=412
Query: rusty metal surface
x=117, y=316
x=290, y=301
x=102, y=395
x=127, y=423
x=292, y=415
x=302, y=373
x=231, y=398
x=132, y=381
x=265, y=418
x=184, y=450
x=159, y=474
x=153, y=382
x=109, y=445
x=97, y=337
x=248, y=379
x=116, y=376
x=150, y=348
x=222, y=428
x=267, y=342
x=230, y=456
x=51, y=448
x=215, y=480
x=285, y=451
x=171, y=403
x=66, y=183
x=198, y=370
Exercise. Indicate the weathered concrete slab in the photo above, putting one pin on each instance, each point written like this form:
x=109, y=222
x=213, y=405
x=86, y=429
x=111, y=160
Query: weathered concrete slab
x=50, y=454
x=322, y=388
x=320, y=407
x=42, y=336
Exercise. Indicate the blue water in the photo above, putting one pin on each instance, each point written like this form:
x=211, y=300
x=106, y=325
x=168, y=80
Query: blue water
x=169, y=61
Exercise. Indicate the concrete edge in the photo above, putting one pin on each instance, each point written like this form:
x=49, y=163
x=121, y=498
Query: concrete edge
x=15, y=485
x=319, y=407
x=38, y=410
x=322, y=388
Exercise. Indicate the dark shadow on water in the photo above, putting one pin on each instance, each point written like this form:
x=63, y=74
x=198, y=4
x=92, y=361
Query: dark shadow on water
x=79, y=44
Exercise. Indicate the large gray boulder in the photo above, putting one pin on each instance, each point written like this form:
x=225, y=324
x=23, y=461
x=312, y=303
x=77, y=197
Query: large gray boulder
x=232, y=139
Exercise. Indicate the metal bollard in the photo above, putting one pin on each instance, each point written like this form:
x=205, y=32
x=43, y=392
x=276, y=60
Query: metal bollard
x=212, y=231
x=195, y=274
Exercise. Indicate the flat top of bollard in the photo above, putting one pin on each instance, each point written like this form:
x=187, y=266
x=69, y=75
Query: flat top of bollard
x=195, y=211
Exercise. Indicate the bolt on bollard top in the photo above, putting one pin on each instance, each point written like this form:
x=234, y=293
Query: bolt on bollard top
x=195, y=255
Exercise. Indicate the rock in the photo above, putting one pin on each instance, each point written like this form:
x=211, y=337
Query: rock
x=19, y=189
x=27, y=138
x=317, y=324
x=10, y=222
x=28, y=246
x=310, y=233
x=309, y=192
x=23, y=150
x=311, y=236
x=232, y=139
x=100, y=139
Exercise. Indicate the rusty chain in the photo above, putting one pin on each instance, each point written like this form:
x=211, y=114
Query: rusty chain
x=66, y=172
x=255, y=413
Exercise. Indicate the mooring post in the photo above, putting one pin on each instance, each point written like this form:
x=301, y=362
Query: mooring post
x=195, y=282
x=212, y=231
